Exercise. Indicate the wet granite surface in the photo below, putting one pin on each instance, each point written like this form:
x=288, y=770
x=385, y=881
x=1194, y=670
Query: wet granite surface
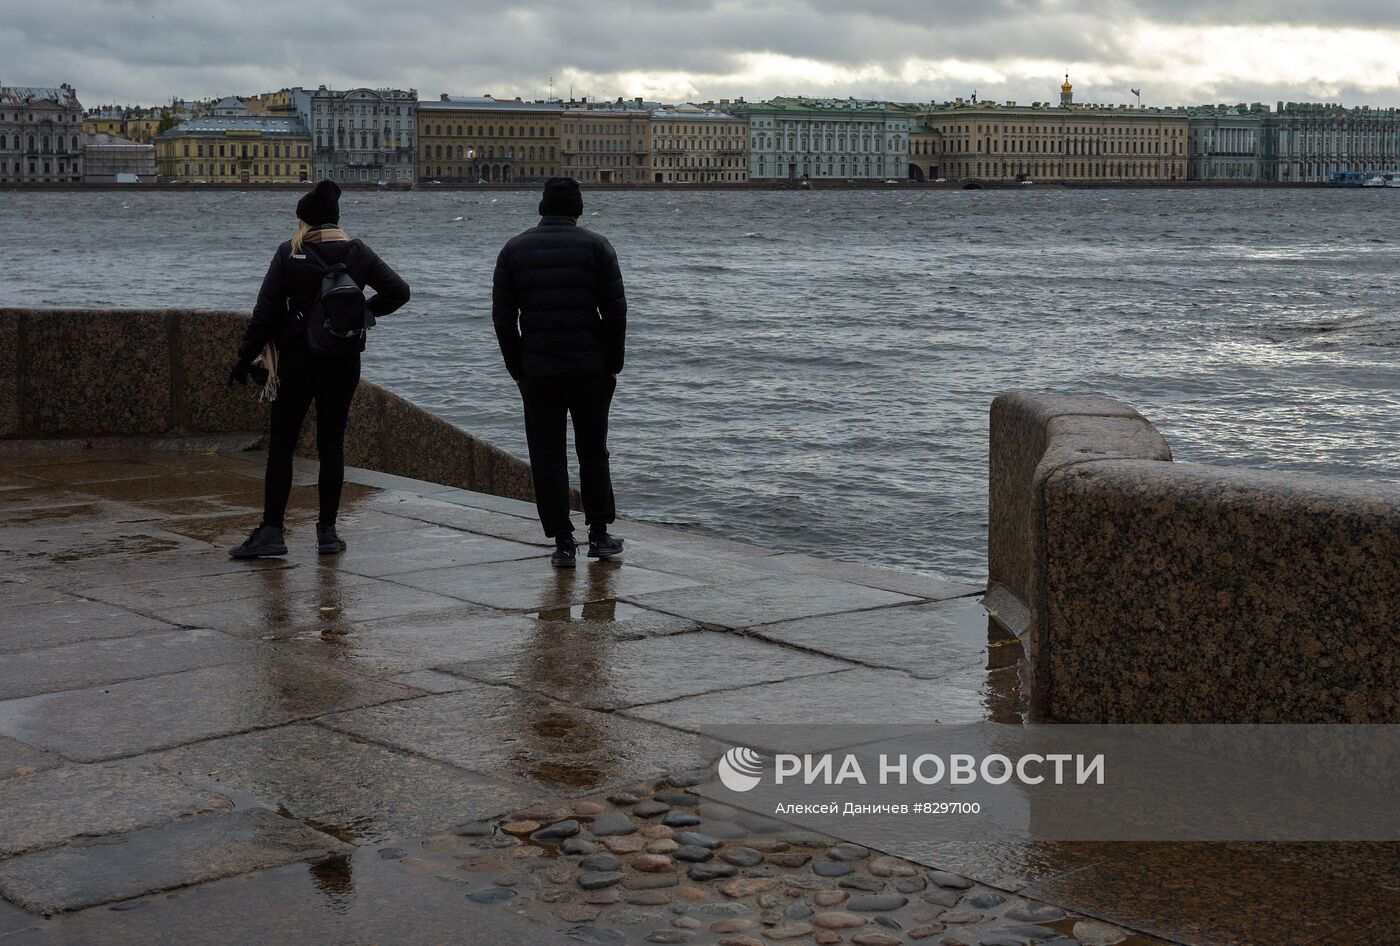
x=75, y=666
x=358, y=792
x=520, y=737
x=769, y=600
x=591, y=669
x=1300, y=628
x=123, y=719
x=48, y=808
x=379, y=738
x=18, y=759
x=173, y=855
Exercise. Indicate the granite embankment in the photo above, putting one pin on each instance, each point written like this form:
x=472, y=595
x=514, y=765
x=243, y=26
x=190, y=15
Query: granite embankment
x=1164, y=592
x=159, y=374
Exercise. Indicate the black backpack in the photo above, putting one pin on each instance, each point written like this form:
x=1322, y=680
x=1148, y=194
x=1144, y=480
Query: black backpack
x=339, y=318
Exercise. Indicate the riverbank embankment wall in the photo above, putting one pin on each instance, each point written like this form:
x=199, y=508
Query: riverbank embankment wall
x=1170, y=592
x=82, y=374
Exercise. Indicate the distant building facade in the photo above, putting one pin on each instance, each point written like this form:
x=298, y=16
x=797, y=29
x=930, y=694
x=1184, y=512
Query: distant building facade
x=359, y=134
x=1226, y=143
x=606, y=142
x=692, y=144
x=925, y=150
x=1307, y=142
x=986, y=141
x=41, y=131
x=841, y=139
x=111, y=160
x=468, y=139
x=226, y=150
x=136, y=124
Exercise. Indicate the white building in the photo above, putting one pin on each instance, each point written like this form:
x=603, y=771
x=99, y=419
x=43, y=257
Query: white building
x=41, y=135
x=361, y=134
x=836, y=139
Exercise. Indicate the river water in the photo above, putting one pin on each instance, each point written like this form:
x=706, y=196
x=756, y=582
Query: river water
x=812, y=370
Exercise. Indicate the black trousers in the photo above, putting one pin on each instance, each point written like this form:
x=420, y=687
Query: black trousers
x=549, y=402
x=330, y=382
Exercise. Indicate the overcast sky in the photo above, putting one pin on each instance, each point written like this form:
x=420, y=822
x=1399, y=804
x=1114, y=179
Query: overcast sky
x=1176, y=51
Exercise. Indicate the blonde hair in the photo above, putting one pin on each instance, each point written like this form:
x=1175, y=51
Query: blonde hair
x=303, y=228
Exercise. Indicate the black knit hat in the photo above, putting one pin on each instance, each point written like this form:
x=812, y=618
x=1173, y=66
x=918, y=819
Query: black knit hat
x=321, y=205
x=562, y=198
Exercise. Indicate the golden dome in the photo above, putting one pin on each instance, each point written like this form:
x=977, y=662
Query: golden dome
x=1066, y=87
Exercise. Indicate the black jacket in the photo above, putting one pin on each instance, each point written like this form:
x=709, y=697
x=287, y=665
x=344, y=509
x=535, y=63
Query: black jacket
x=557, y=302
x=292, y=285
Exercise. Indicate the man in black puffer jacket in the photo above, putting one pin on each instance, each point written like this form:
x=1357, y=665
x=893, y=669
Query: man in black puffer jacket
x=561, y=318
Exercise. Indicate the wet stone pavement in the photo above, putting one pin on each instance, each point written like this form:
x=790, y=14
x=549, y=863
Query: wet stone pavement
x=437, y=738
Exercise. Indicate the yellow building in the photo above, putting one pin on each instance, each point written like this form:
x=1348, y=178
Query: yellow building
x=106, y=121
x=690, y=144
x=472, y=139
x=219, y=150
x=133, y=124
x=271, y=104
x=986, y=141
x=925, y=150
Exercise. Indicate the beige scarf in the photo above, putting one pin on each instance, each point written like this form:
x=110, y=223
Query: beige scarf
x=267, y=391
x=326, y=235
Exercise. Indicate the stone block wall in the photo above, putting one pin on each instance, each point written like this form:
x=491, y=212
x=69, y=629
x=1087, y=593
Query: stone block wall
x=1163, y=592
x=80, y=373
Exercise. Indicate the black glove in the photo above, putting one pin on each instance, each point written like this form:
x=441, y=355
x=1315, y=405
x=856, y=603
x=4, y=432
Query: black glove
x=238, y=374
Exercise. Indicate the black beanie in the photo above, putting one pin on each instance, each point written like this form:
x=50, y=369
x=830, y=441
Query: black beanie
x=321, y=205
x=562, y=198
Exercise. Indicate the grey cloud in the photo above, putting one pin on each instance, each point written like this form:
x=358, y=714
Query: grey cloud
x=151, y=50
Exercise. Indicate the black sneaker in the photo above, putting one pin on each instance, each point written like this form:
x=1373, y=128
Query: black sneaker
x=327, y=542
x=265, y=541
x=602, y=545
x=565, y=552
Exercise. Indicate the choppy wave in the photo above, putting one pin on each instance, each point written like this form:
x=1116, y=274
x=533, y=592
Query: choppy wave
x=812, y=370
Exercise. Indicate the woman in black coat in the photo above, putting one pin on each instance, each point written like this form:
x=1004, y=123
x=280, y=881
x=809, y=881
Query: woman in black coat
x=289, y=291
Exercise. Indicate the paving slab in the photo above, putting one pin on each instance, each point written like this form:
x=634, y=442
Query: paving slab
x=91, y=663
x=599, y=671
x=25, y=498
x=259, y=581
x=768, y=600
x=428, y=548
x=359, y=900
x=890, y=579
x=336, y=603
x=161, y=712
x=616, y=618
x=173, y=855
x=714, y=568
x=18, y=759
x=821, y=712
x=98, y=471
x=183, y=564
x=355, y=791
x=413, y=642
x=225, y=528
x=17, y=592
x=929, y=640
x=14, y=921
x=501, y=525
x=433, y=681
x=169, y=486
x=49, y=808
x=62, y=555
x=524, y=738
x=69, y=621
x=534, y=584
